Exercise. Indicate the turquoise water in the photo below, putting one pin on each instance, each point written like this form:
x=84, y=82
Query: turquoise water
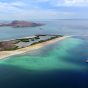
x=58, y=65
x=54, y=56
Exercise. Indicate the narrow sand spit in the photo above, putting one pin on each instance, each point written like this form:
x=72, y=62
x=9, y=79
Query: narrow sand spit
x=4, y=54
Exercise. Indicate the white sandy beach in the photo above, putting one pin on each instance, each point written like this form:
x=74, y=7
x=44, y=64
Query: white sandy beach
x=4, y=54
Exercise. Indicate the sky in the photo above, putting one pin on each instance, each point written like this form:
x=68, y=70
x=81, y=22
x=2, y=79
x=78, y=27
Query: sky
x=43, y=9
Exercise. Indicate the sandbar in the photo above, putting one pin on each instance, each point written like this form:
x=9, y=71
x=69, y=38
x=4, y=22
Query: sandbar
x=5, y=54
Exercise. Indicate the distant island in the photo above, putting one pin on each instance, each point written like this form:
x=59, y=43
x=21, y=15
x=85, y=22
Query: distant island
x=17, y=24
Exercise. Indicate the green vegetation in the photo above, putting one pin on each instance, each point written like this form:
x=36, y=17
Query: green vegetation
x=37, y=37
x=45, y=40
x=11, y=44
x=60, y=35
x=32, y=39
x=24, y=40
x=41, y=35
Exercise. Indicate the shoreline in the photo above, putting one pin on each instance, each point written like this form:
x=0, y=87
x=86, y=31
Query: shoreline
x=5, y=54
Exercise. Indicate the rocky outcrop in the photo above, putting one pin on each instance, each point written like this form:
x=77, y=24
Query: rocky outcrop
x=21, y=24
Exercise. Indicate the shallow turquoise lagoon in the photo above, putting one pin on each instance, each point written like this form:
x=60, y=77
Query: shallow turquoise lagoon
x=60, y=55
x=58, y=65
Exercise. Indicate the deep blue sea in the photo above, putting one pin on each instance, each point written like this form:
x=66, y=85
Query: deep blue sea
x=59, y=65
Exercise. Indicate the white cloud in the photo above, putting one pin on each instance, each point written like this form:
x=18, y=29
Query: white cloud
x=18, y=4
x=63, y=2
x=35, y=3
x=76, y=2
x=69, y=2
x=11, y=5
x=44, y=14
x=12, y=11
x=9, y=11
x=6, y=7
x=42, y=0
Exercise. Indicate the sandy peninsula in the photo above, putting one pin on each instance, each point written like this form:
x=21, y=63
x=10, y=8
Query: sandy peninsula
x=4, y=54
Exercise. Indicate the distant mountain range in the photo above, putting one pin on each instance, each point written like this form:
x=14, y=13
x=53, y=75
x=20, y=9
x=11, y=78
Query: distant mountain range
x=17, y=23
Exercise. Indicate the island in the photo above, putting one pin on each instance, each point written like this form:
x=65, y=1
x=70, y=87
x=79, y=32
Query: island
x=26, y=44
x=17, y=24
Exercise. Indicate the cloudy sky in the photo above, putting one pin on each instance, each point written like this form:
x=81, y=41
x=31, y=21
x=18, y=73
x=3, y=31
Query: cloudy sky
x=43, y=9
